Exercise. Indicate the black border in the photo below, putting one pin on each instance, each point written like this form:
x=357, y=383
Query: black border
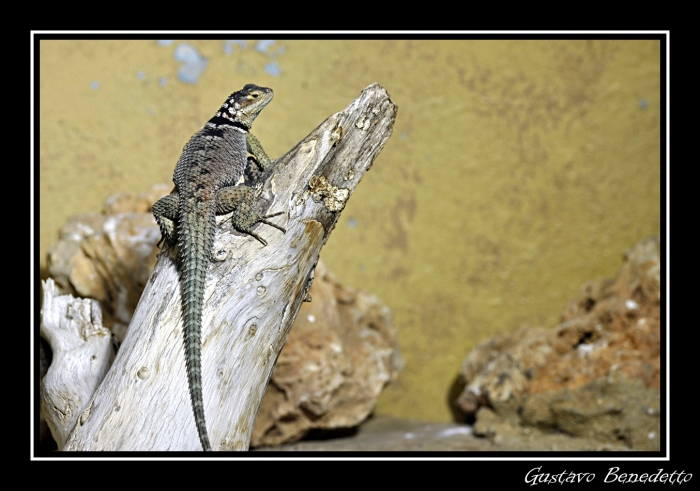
x=551, y=462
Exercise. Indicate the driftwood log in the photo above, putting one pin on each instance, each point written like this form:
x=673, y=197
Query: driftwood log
x=252, y=297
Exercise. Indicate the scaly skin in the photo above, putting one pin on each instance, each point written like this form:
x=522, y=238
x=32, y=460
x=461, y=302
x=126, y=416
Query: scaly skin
x=212, y=162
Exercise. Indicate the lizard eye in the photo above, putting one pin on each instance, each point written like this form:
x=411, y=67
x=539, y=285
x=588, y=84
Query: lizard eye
x=255, y=95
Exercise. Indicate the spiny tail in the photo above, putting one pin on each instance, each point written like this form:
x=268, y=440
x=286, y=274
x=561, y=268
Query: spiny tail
x=196, y=242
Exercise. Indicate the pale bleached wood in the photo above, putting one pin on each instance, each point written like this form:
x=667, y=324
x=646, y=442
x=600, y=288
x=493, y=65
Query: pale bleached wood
x=252, y=296
x=82, y=353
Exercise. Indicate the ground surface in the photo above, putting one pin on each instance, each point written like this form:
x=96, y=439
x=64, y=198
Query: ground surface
x=388, y=434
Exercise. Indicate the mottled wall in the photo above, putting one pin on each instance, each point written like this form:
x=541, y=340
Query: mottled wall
x=517, y=169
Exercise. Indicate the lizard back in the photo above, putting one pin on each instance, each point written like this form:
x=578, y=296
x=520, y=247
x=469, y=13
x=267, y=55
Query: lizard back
x=208, y=179
x=211, y=160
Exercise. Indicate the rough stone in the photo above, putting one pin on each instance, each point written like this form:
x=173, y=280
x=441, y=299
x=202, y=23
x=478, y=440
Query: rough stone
x=596, y=374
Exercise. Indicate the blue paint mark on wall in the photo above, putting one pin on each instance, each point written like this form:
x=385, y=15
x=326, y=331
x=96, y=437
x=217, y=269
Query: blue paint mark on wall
x=264, y=45
x=352, y=223
x=194, y=63
x=231, y=43
x=165, y=42
x=141, y=75
x=643, y=104
x=162, y=81
x=273, y=69
x=95, y=85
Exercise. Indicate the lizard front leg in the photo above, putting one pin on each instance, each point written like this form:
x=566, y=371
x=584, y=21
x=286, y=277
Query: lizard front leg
x=241, y=200
x=255, y=149
x=165, y=213
x=258, y=161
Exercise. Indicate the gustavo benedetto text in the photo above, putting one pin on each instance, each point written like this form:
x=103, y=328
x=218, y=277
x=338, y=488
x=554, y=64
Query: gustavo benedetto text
x=536, y=476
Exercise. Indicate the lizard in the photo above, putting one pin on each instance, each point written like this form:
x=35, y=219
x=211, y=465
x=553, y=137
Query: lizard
x=210, y=180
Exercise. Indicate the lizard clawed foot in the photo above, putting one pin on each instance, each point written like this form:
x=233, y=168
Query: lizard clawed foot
x=260, y=239
x=246, y=227
x=262, y=219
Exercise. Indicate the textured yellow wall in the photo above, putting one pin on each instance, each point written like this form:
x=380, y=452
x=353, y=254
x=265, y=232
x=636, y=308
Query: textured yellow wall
x=517, y=170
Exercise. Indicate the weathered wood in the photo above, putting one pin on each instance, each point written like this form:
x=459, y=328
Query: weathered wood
x=82, y=353
x=252, y=296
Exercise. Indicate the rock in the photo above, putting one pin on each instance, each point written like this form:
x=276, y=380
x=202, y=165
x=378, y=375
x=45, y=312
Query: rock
x=614, y=409
x=597, y=374
x=340, y=354
x=109, y=256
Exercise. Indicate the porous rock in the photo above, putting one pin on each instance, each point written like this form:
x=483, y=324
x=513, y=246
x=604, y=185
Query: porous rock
x=597, y=374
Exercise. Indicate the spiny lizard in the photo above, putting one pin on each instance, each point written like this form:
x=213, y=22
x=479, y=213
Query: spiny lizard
x=208, y=182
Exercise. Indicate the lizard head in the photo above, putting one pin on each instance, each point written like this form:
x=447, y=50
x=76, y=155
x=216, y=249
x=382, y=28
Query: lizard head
x=244, y=105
